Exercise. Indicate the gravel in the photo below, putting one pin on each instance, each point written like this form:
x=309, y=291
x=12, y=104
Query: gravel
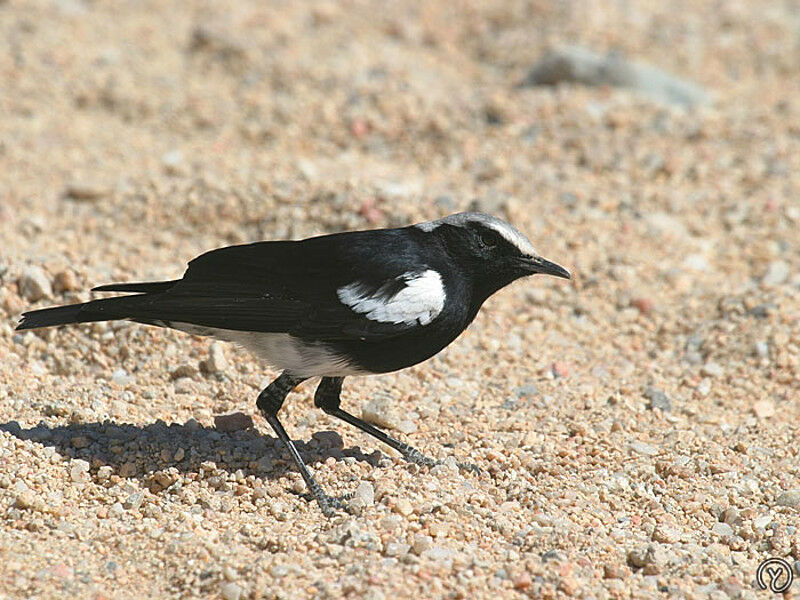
x=133, y=140
x=34, y=284
x=790, y=498
x=216, y=363
x=658, y=399
x=382, y=412
x=777, y=273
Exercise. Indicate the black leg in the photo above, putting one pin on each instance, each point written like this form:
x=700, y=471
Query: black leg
x=327, y=398
x=269, y=402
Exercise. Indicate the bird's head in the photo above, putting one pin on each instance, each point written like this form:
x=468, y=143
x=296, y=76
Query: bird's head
x=491, y=251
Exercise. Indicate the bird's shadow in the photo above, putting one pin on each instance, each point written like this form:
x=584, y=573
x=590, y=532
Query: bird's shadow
x=137, y=452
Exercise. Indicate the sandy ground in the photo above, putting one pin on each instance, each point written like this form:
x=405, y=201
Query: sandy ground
x=637, y=427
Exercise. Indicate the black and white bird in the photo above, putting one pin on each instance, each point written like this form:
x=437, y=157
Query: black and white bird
x=353, y=303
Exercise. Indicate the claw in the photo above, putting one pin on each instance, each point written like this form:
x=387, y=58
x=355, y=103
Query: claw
x=329, y=504
x=469, y=467
x=416, y=457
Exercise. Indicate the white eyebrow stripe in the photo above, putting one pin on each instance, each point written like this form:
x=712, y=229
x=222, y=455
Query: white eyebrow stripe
x=506, y=230
x=513, y=237
x=420, y=301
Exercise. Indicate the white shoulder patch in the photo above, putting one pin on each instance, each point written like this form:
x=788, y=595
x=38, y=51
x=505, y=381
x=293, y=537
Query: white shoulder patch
x=419, y=301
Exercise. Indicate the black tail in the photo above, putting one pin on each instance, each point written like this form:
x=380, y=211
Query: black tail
x=108, y=309
x=59, y=315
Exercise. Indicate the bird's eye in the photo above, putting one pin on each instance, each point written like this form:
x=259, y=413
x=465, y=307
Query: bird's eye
x=487, y=240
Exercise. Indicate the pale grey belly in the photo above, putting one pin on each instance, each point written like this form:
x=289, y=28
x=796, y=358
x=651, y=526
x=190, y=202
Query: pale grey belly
x=281, y=350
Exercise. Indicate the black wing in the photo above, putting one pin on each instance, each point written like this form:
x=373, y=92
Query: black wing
x=287, y=287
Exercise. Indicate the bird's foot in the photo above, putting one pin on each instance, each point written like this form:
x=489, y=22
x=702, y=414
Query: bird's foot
x=416, y=457
x=328, y=504
x=469, y=468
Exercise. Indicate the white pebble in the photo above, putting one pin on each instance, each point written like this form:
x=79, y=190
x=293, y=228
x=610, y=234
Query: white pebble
x=34, y=284
x=365, y=492
x=216, y=361
x=777, y=273
x=120, y=377
x=381, y=412
x=79, y=470
x=722, y=529
x=231, y=591
x=712, y=369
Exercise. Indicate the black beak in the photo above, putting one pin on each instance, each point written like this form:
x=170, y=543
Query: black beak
x=537, y=264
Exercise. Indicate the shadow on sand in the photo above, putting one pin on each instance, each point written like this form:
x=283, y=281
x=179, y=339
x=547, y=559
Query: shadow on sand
x=135, y=451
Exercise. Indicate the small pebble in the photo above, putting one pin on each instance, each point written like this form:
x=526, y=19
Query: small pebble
x=666, y=534
x=790, y=498
x=614, y=571
x=764, y=409
x=65, y=281
x=120, y=377
x=25, y=499
x=231, y=591
x=279, y=571
x=396, y=549
x=34, y=284
x=651, y=559
x=523, y=581
x=406, y=426
x=79, y=471
x=391, y=522
x=762, y=521
x=183, y=371
x=173, y=162
x=722, y=529
x=374, y=593
x=658, y=399
x=86, y=190
x=381, y=412
x=777, y=273
x=643, y=305
x=438, y=553
x=233, y=422
x=712, y=369
x=526, y=391
x=216, y=363
x=365, y=492
x=403, y=507
x=421, y=543
x=133, y=501
x=104, y=473
x=643, y=448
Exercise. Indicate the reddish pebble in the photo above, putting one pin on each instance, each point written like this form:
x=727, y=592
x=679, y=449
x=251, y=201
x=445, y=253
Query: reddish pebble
x=611, y=571
x=359, y=128
x=560, y=369
x=643, y=305
x=523, y=582
x=233, y=422
x=370, y=212
x=61, y=571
